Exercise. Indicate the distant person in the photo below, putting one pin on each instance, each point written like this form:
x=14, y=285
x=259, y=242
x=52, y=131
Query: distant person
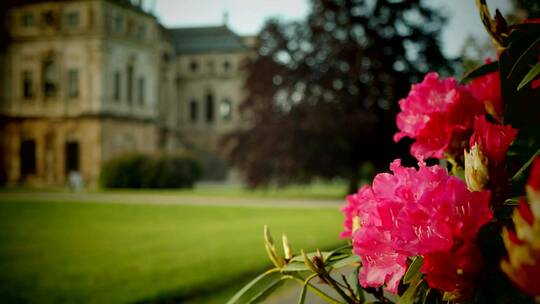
x=75, y=181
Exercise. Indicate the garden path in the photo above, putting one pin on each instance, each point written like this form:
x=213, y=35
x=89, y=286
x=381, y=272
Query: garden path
x=132, y=197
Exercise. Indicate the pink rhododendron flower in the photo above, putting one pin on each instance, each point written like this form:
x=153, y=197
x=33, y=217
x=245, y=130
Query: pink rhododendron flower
x=358, y=203
x=411, y=212
x=532, y=20
x=453, y=270
x=438, y=114
x=535, y=84
x=494, y=139
x=487, y=89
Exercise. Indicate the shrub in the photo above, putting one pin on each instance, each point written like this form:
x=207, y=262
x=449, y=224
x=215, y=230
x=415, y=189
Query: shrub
x=214, y=167
x=151, y=171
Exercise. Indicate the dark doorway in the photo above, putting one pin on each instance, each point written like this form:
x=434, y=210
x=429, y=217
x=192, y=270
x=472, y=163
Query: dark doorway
x=28, y=157
x=72, y=156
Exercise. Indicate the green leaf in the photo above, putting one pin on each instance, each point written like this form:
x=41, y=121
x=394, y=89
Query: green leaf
x=413, y=273
x=265, y=292
x=426, y=295
x=353, y=258
x=451, y=296
x=302, y=298
x=310, y=255
x=410, y=295
x=343, y=249
x=524, y=60
x=535, y=71
x=256, y=288
x=352, y=280
x=481, y=71
x=519, y=173
x=295, y=266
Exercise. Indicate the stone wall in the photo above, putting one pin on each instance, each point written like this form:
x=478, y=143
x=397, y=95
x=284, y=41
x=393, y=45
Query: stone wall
x=50, y=137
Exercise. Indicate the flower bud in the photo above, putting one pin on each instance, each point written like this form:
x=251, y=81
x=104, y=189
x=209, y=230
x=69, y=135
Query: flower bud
x=476, y=169
x=267, y=236
x=308, y=262
x=276, y=259
x=286, y=247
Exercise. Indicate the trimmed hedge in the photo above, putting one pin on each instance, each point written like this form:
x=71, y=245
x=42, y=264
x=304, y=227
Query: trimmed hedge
x=151, y=171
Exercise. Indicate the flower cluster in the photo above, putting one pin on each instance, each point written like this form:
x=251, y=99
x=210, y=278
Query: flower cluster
x=440, y=114
x=416, y=212
x=428, y=212
x=435, y=233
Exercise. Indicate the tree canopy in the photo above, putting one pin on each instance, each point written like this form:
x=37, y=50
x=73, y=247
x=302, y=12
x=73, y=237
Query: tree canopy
x=322, y=94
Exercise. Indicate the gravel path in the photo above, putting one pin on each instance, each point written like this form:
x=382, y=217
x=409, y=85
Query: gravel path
x=166, y=199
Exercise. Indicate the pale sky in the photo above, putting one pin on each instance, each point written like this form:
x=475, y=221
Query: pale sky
x=246, y=17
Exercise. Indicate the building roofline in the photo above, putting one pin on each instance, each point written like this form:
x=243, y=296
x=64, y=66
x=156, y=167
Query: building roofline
x=123, y=3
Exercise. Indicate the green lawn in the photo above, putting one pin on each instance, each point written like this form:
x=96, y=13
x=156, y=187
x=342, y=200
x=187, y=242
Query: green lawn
x=117, y=253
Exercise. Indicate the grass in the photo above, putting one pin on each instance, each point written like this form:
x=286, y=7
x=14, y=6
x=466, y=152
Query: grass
x=119, y=253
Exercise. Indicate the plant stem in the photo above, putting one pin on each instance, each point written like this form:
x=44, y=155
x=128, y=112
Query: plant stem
x=316, y=290
x=332, y=283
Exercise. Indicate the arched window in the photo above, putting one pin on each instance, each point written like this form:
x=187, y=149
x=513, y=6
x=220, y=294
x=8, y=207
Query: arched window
x=209, y=107
x=225, y=109
x=193, y=110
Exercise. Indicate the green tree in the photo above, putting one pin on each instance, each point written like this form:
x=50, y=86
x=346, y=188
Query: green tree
x=322, y=93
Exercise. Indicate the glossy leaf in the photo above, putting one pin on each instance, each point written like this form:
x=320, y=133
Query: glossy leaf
x=481, y=71
x=528, y=56
x=302, y=298
x=411, y=294
x=256, y=288
x=310, y=255
x=413, y=272
x=265, y=292
x=351, y=259
x=535, y=71
x=519, y=173
x=303, y=293
x=294, y=267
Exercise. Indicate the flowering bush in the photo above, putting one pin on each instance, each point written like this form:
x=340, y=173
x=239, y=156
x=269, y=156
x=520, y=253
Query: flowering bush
x=457, y=231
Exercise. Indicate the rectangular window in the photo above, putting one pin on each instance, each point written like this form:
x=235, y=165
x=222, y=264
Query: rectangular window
x=141, y=90
x=73, y=83
x=225, y=110
x=27, y=20
x=28, y=157
x=28, y=85
x=210, y=108
x=141, y=32
x=117, y=81
x=72, y=156
x=72, y=19
x=193, y=110
x=118, y=23
x=129, y=89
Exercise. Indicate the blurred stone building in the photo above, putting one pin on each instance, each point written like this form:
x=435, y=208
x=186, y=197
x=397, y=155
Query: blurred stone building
x=86, y=80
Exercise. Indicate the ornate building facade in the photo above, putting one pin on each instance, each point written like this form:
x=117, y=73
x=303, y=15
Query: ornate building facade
x=86, y=80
